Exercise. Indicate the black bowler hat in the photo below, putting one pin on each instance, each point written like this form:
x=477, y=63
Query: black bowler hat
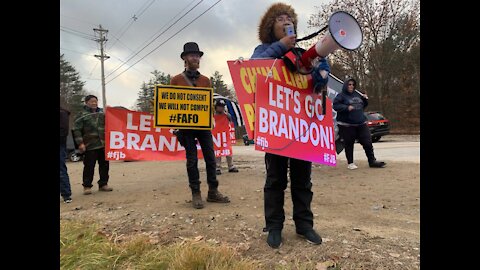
x=190, y=47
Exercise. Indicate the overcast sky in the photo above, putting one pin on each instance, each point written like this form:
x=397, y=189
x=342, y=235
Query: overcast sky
x=227, y=31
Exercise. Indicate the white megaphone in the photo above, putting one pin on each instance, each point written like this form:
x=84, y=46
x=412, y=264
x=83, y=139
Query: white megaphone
x=343, y=32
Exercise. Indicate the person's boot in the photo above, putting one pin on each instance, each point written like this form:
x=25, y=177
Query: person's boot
x=105, y=188
x=311, y=236
x=377, y=164
x=197, y=200
x=233, y=169
x=274, y=239
x=87, y=190
x=216, y=196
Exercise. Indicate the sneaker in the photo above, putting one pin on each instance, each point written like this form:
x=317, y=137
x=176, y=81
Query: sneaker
x=311, y=236
x=218, y=172
x=105, y=188
x=377, y=164
x=233, y=169
x=87, y=190
x=352, y=166
x=274, y=239
x=216, y=196
x=67, y=200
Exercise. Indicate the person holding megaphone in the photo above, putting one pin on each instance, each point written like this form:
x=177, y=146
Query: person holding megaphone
x=277, y=33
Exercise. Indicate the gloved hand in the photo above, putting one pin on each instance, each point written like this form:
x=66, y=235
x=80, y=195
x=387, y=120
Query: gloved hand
x=320, y=82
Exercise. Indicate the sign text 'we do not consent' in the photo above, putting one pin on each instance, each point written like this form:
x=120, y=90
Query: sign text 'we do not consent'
x=183, y=107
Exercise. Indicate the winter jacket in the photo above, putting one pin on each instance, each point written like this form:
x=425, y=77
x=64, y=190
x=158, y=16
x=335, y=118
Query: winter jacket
x=89, y=128
x=269, y=50
x=341, y=103
x=64, y=125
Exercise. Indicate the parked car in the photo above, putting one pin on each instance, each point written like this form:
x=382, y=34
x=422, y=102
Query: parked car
x=246, y=140
x=378, y=125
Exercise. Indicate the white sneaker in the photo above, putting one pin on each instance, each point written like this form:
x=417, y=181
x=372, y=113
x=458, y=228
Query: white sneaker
x=352, y=166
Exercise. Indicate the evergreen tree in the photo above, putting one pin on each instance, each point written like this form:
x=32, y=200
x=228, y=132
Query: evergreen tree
x=71, y=87
x=220, y=87
x=147, y=91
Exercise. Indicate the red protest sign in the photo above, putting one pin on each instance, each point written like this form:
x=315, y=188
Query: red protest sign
x=221, y=136
x=289, y=122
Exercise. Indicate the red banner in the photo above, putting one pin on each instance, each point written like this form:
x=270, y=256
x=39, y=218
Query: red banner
x=130, y=135
x=289, y=122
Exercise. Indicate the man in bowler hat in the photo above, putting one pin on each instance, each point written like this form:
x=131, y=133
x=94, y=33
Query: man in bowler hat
x=191, y=77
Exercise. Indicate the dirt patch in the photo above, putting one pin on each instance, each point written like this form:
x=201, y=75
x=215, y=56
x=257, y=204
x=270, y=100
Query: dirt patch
x=368, y=218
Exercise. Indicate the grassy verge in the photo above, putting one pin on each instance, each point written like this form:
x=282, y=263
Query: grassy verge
x=83, y=246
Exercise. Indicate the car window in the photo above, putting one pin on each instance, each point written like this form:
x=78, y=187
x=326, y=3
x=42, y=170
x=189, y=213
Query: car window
x=374, y=116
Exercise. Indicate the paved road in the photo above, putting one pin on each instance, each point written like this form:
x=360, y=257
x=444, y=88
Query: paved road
x=384, y=150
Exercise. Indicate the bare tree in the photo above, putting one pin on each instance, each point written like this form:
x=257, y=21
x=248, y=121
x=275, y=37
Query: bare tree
x=387, y=64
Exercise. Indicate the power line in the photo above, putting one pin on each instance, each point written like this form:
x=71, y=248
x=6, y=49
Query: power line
x=125, y=63
x=76, y=33
x=130, y=58
x=74, y=51
x=141, y=12
x=91, y=72
x=166, y=40
x=123, y=44
x=133, y=19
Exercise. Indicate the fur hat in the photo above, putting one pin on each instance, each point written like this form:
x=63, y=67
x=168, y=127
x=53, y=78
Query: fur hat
x=265, y=28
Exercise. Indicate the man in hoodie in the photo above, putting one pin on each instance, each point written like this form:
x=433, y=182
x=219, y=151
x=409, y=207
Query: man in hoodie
x=276, y=43
x=89, y=134
x=188, y=137
x=352, y=123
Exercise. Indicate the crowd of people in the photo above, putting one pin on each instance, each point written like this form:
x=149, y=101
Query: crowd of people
x=89, y=133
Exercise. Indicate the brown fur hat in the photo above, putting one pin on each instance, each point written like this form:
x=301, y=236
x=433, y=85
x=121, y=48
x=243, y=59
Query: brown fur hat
x=265, y=28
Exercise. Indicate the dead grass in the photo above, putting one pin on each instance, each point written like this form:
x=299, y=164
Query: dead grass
x=84, y=246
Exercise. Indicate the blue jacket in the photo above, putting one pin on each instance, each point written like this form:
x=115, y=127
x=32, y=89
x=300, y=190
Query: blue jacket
x=341, y=103
x=269, y=50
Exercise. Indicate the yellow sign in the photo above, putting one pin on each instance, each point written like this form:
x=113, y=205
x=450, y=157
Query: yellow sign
x=183, y=107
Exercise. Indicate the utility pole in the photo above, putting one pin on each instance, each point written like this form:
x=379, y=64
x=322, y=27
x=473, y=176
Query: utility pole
x=102, y=39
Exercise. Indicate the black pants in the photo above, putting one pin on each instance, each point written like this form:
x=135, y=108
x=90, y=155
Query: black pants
x=206, y=143
x=350, y=134
x=89, y=161
x=300, y=187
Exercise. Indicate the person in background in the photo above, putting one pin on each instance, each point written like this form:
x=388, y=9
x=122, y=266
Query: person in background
x=89, y=134
x=188, y=137
x=352, y=123
x=276, y=43
x=220, y=110
x=65, y=190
